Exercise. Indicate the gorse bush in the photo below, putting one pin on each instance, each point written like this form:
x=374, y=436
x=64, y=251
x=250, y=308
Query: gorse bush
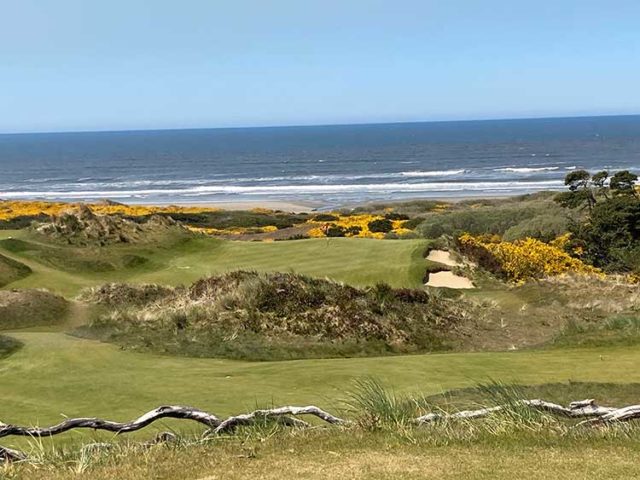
x=382, y=225
x=523, y=259
x=359, y=225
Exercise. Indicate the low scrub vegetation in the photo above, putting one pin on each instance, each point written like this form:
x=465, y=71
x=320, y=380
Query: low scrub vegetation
x=247, y=315
x=29, y=308
x=536, y=216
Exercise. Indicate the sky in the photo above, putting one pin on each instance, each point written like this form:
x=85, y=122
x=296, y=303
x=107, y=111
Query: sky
x=70, y=65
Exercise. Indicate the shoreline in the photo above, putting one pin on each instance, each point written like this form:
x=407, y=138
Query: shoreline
x=283, y=205
x=294, y=206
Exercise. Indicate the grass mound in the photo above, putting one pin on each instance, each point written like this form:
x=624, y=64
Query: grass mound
x=274, y=316
x=8, y=345
x=30, y=308
x=11, y=270
x=121, y=294
x=82, y=227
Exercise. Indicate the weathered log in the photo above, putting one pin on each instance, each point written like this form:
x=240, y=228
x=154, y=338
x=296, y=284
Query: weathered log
x=623, y=414
x=579, y=409
x=10, y=455
x=248, y=418
x=286, y=416
x=179, y=412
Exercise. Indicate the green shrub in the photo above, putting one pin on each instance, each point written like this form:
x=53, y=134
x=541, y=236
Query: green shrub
x=335, y=231
x=413, y=223
x=325, y=217
x=396, y=216
x=382, y=225
x=8, y=345
x=494, y=219
x=541, y=227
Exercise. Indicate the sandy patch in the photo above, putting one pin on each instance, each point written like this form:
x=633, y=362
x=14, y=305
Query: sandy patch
x=443, y=257
x=291, y=207
x=448, y=280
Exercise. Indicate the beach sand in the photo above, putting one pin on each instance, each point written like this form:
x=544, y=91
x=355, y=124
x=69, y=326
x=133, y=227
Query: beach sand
x=295, y=207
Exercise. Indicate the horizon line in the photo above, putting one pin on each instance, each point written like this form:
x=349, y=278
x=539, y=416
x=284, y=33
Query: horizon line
x=312, y=125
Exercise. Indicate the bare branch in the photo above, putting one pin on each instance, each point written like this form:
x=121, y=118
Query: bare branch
x=248, y=418
x=579, y=409
x=148, y=418
x=10, y=455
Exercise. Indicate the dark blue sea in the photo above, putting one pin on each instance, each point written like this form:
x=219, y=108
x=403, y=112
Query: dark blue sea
x=331, y=165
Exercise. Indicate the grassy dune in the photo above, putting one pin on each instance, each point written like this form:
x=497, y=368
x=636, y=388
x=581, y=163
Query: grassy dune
x=356, y=261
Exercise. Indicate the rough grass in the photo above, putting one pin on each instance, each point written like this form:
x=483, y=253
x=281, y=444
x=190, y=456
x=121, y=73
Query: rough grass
x=537, y=216
x=273, y=316
x=11, y=270
x=370, y=455
x=380, y=443
x=617, y=330
x=29, y=308
x=67, y=270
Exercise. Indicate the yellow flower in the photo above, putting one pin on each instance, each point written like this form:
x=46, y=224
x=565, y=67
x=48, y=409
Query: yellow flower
x=529, y=258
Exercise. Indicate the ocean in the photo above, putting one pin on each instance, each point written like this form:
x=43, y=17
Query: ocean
x=329, y=165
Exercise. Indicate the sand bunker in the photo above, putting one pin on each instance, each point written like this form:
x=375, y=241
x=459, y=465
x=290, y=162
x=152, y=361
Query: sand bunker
x=448, y=280
x=443, y=257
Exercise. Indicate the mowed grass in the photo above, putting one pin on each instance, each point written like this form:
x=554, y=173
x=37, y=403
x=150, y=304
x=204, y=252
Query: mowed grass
x=354, y=261
x=55, y=374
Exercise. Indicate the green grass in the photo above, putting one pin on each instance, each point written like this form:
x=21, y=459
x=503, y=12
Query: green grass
x=54, y=374
x=66, y=270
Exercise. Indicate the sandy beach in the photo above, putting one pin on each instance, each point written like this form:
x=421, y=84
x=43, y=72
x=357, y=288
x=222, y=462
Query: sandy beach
x=292, y=207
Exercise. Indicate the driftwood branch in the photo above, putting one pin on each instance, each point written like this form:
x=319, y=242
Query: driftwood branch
x=148, y=418
x=248, y=418
x=588, y=409
x=579, y=409
x=623, y=414
x=10, y=455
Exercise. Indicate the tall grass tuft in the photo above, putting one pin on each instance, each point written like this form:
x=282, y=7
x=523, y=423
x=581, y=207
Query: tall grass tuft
x=375, y=406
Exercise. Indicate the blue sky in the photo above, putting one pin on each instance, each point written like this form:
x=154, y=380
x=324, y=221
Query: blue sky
x=85, y=65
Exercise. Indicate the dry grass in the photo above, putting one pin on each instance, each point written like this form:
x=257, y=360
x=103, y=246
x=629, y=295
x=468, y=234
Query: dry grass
x=359, y=455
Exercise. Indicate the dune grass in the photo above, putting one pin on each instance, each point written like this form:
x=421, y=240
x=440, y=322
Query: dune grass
x=66, y=270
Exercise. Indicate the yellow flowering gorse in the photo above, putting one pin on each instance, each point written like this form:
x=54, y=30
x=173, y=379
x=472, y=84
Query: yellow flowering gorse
x=14, y=209
x=362, y=221
x=530, y=258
